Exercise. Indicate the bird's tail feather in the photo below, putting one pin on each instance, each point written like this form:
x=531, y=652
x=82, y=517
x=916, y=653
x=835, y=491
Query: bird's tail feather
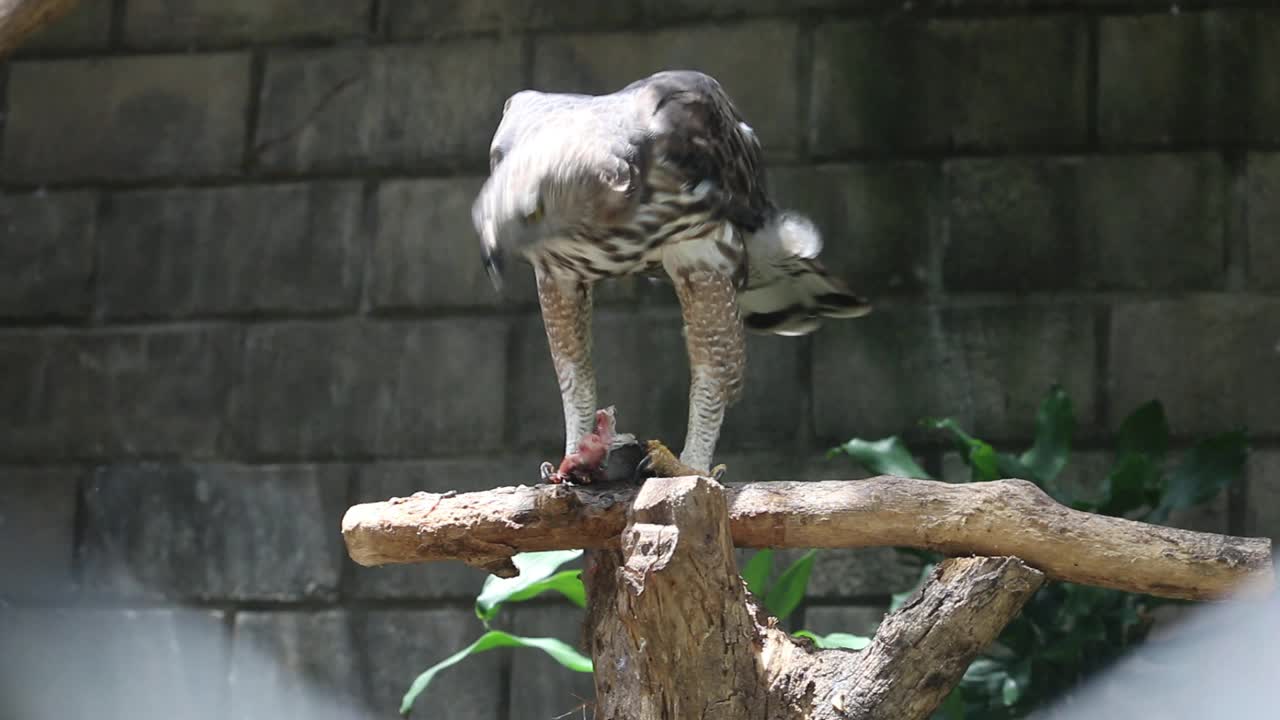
x=788, y=290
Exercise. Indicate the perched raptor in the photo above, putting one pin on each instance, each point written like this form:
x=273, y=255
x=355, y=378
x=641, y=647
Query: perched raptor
x=662, y=176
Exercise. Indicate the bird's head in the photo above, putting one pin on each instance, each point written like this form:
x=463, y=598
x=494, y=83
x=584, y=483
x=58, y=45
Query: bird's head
x=558, y=166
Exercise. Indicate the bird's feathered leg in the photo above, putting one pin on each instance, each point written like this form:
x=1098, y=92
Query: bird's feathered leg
x=566, y=315
x=717, y=357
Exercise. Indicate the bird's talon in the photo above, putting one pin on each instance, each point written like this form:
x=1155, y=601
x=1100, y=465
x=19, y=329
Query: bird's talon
x=548, y=473
x=644, y=469
x=661, y=462
x=717, y=472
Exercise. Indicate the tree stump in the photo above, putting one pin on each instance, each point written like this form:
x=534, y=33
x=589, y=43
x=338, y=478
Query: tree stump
x=674, y=633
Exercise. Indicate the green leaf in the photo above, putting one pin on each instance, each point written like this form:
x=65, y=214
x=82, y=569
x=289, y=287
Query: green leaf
x=1145, y=432
x=983, y=460
x=1126, y=486
x=785, y=595
x=963, y=439
x=1010, y=691
x=883, y=457
x=1055, y=426
x=836, y=640
x=1205, y=470
x=565, y=582
x=981, y=669
x=536, y=571
x=560, y=651
x=756, y=571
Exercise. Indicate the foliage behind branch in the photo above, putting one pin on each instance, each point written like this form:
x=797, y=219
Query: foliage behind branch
x=1068, y=631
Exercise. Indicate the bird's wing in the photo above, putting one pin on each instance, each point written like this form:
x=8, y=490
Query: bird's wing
x=696, y=130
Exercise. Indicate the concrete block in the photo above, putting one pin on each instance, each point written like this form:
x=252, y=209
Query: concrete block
x=949, y=83
x=1032, y=224
x=853, y=619
x=86, y=27
x=112, y=664
x=1154, y=222
x=278, y=248
x=426, y=253
x=1014, y=225
x=875, y=218
x=395, y=106
x=1170, y=78
x=1262, y=517
x=1263, y=182
x=987, y=366
x=117, y=393
x=540, y=687
x=404, y=643
x=762, y=84
x=151, y=116
x=1210, y=359
x=37, y=531
x=435, y=18
x=170, y=23
x=861, y=573
x=298, y=664
x=47, y=256
x=215, y=532
x=357, y=388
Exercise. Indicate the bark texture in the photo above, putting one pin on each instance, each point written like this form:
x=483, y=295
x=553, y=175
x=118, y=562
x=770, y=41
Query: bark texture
x=20, y=18
x=1003, y=518
x=674, y=634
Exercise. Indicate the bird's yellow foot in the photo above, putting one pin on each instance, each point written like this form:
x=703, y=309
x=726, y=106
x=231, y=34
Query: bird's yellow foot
x=659, y=461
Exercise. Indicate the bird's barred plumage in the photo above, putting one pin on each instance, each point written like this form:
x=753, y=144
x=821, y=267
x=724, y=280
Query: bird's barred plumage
x=663, y=177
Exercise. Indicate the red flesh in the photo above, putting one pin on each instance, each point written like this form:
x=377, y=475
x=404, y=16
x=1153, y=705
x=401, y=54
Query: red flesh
x=586, y=464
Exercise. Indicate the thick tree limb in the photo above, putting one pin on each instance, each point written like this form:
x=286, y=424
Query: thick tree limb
x=920, y=652
x=20, y=18
x=1004, y=518
x=674, y=634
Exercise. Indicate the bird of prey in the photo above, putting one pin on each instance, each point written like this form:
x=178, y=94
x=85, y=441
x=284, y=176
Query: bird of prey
x=660, y=177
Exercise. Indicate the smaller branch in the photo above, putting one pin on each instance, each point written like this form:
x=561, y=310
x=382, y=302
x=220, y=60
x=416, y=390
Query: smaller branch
x=20, y=18
x=921, y=652
x=1003, y=518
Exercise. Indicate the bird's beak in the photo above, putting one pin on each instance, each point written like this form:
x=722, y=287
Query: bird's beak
x=492, y=254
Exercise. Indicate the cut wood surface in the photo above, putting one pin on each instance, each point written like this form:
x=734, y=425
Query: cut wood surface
x=674, y=634
x=20, y=18
x=1002, y=518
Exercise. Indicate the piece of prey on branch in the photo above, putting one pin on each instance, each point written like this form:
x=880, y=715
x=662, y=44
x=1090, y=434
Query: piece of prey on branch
x=660, y=178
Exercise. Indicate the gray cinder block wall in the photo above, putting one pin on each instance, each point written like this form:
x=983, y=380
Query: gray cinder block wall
x=239, y=292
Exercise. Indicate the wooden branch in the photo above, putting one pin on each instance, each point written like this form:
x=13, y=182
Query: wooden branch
x=20, y=18
x=674, y=634
x=1003, y=518
x=920, y=652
